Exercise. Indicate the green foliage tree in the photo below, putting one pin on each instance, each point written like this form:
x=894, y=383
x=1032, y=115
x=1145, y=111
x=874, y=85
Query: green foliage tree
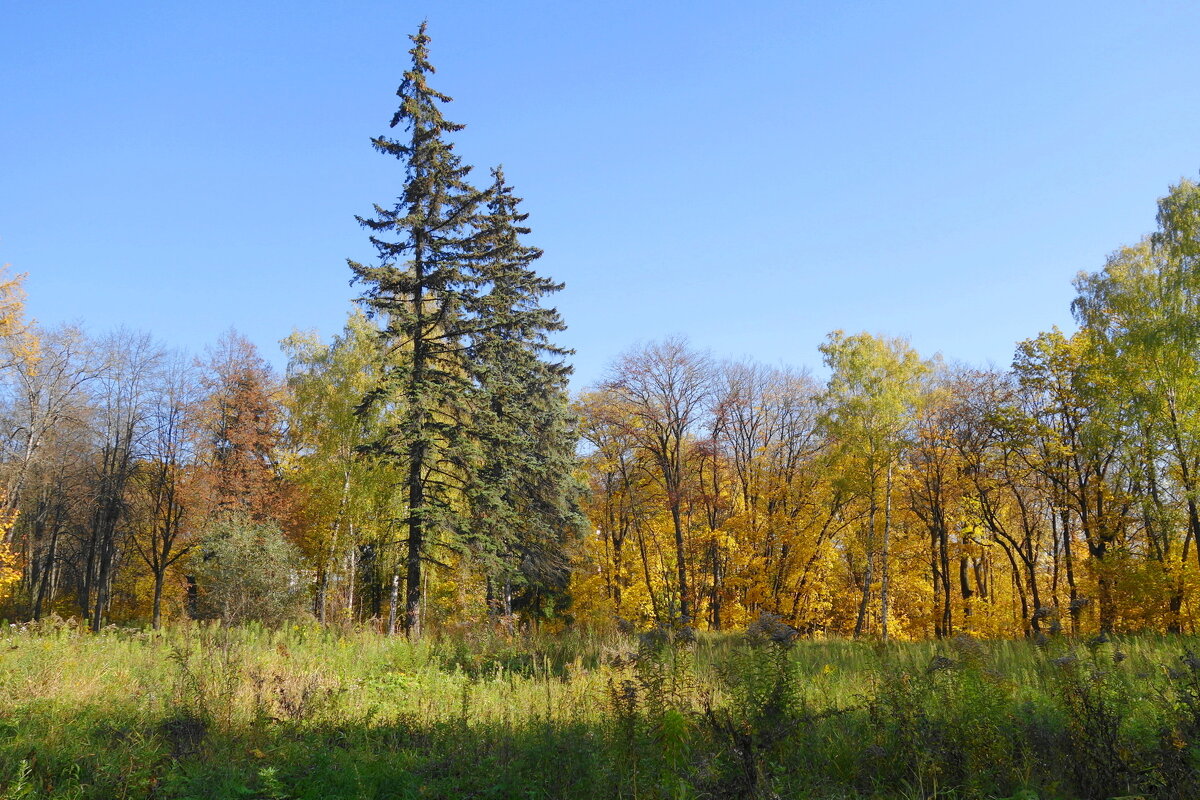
x=522, y=491
x=341, y=486
x=1141, y=312
x=471, y=393
x=421, y=291
x=870, y=402
x=1073, y=437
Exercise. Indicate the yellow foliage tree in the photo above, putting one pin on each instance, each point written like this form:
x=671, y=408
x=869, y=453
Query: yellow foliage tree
x=22, y=349
x=10, y=559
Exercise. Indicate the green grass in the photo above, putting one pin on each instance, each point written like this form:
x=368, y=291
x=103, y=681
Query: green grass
x=198, y=712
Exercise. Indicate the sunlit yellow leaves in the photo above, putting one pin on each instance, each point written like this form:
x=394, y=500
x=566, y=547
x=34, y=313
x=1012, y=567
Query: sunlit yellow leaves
x=11, y=567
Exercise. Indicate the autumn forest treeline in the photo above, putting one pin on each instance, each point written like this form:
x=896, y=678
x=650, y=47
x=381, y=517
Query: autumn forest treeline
x=427, y=467
x=912, y=497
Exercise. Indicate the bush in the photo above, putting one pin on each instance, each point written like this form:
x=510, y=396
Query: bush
x=246, y=571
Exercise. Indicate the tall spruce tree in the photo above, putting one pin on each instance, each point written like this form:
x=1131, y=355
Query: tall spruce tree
x=421, y=292
x=522, y=491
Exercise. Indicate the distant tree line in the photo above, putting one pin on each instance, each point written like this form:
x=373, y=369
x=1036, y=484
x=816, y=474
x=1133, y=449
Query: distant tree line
x=909, y=496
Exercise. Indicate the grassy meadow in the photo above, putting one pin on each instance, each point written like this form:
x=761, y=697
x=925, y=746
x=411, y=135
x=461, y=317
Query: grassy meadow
x=305, y=712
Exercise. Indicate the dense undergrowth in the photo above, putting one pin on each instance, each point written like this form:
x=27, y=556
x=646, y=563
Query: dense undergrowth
x=201, y=712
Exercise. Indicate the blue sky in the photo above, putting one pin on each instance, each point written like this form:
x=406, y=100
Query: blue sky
x=750, y=175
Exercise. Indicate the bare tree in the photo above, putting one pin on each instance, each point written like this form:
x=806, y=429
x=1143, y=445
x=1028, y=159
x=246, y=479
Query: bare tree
x=159, y=537
x=665, y=388
x=121, y=428
x=47, y=391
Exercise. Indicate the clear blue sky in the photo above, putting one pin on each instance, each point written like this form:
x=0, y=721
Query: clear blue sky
x=752, y=175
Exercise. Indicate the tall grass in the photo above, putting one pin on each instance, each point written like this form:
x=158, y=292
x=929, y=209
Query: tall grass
x=305, y=712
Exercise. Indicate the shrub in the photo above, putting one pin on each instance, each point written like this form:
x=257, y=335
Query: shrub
x=246, y=571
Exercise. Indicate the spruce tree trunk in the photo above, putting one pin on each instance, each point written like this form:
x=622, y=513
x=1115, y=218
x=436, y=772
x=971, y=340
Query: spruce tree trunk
x=417, y=449
x=416, y=537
